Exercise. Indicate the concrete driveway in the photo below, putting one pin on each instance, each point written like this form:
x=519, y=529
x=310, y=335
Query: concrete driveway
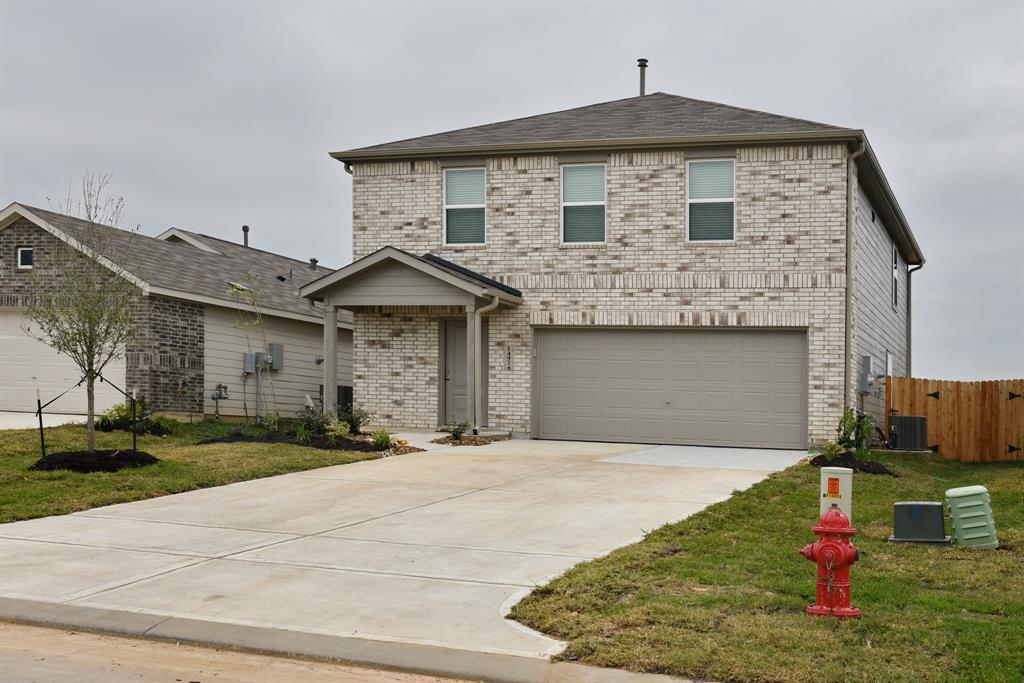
x=408, y=561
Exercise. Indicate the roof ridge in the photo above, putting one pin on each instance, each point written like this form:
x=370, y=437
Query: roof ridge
x=748, y=110
x=521, y=118
x=243, y=246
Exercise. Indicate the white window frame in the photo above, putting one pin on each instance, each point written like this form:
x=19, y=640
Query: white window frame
x=894, y=295
x=716, y=200
x=562, y=204
x=446, y=206
x=18, y=257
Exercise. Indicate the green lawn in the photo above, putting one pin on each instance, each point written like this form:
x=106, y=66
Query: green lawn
x=721, y=595
x=185, y=465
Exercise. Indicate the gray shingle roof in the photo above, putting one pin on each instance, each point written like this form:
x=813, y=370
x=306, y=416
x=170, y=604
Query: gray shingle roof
x=182, y=267
x=659, y=115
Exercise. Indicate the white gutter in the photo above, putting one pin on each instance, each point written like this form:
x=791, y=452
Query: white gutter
x=478, y=394
x=851, y=198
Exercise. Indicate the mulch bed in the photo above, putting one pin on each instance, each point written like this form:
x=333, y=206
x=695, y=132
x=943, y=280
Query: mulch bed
x=471, y=440
x=853, y=462
x=361, y=443
x=94, y=461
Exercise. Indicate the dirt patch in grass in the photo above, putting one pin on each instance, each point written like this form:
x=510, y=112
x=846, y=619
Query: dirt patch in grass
x=87, y=462
x=853, y=462
x=471, y=440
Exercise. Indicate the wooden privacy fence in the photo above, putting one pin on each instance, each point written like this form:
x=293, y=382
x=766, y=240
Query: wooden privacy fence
x=969, y=421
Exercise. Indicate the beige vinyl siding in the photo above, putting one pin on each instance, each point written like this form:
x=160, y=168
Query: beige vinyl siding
x=390, y=284
x=226, y=341
x=877, y=327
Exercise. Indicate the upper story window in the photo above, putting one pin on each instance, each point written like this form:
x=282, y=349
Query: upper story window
x=711, y=200
x=895, y=278
x=24, y=258
x=583, y=199
x=464, y=206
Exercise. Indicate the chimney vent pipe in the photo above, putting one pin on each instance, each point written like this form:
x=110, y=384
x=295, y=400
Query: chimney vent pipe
x=642, y=63
x=245, y=235
x=312, y=263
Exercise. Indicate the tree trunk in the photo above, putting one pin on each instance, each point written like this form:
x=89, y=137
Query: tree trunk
x=90, y=419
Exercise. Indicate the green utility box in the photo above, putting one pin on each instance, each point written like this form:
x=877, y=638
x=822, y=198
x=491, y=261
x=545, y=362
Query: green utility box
x=970, y=508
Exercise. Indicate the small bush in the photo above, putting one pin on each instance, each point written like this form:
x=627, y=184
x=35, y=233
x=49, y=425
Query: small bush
x=302, y=433
x=162, y=426
x=104, y=424
x=458, y=431
x=854, y=431
x=355, y=417
x=382, y=439
x=312, y=419
x=831, y=450
x=337, y=431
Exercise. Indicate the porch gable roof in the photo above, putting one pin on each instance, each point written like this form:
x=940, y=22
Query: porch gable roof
x=451, y=274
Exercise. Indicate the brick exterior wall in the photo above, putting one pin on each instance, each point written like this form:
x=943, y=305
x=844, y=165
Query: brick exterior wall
x=165, y=358
x=785, y=269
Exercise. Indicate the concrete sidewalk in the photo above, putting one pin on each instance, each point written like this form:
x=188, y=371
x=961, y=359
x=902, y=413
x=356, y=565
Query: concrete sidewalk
x=410, y=561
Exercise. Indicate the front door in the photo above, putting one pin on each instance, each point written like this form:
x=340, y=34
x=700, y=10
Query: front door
x=455, y=372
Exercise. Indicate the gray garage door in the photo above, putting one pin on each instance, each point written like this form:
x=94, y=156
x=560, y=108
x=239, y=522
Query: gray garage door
x=718, y=388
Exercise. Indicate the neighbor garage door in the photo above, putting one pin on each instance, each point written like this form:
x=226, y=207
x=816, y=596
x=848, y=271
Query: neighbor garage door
x=27, y=364
x=718, y=388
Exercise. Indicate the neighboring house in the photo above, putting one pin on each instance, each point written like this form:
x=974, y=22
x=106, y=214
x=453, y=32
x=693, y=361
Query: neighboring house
x=654, y=269
x=192, y=334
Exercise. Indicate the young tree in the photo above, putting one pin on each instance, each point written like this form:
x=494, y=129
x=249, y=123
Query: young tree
x=89, y=312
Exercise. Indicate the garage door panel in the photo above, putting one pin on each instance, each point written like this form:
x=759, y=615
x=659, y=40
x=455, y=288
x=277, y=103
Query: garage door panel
x=27, y=364
x=736, y=387
x=789, y=373
x=718, y=371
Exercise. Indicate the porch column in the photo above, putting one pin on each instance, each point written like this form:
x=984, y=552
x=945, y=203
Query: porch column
x=330, y=402
x=471, y=365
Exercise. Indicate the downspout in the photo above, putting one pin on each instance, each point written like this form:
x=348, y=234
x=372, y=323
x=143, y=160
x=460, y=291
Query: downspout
x=910, y=271
x=478, y=393
x=851, y=174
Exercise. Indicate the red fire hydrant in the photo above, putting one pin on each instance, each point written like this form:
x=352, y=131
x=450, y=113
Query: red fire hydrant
x=834, y=553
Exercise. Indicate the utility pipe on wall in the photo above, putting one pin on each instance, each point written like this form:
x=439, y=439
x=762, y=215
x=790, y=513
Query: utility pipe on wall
x=910, y=271
x=478, y=395
x=851, y=198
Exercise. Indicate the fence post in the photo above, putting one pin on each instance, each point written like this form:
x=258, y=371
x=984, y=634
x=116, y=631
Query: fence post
x=39, y=412
x=135, y=426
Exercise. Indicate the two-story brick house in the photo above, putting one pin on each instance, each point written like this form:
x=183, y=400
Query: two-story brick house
x=654, y=269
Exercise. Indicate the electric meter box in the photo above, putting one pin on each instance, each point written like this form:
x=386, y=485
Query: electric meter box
x=275, y=356
x=837, y=487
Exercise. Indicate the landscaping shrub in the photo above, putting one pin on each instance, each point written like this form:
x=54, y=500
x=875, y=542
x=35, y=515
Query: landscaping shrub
x=302, y=433
x=382, y=439
x=337, y=431
x=312, y=419
x=458, y=430
x=355, y=418
x=854, y=431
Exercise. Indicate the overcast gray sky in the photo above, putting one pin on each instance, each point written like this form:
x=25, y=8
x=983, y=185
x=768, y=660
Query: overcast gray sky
x=211, y=115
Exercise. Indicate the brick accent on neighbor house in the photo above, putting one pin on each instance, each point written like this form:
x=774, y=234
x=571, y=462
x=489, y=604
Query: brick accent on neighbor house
x=164, y=360
x=785, y=269
x=165, y=357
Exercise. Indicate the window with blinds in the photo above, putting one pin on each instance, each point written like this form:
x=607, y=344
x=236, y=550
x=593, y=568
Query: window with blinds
x=711, y=200
x=583, y=203
x=464, y=206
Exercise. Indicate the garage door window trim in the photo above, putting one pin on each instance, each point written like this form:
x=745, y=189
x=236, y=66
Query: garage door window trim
x=588, y=202
x=25, y=258
x=713, y=199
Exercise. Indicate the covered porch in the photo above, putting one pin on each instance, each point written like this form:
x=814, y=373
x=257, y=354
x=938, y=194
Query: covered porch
x=455, y=300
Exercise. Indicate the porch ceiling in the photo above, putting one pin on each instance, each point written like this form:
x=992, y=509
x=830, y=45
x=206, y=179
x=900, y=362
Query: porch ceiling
x=392, y=277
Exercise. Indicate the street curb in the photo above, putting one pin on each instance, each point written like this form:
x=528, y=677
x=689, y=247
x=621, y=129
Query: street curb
x=427, y=659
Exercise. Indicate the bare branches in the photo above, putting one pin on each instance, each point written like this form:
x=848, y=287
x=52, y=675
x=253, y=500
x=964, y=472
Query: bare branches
x=86, y=312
